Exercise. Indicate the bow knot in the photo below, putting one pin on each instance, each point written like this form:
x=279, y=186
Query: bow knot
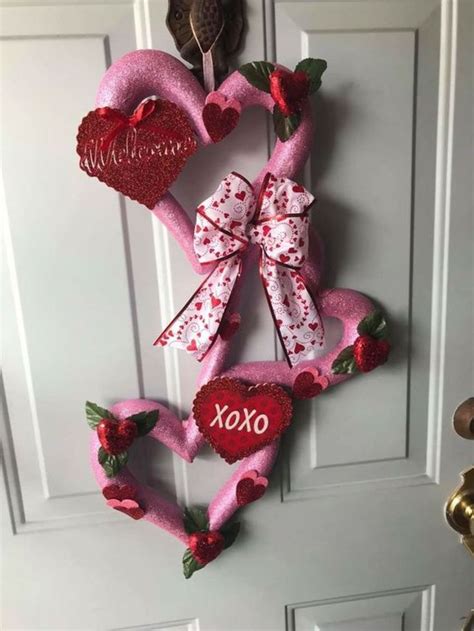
x=226, y=224
x=123, y=121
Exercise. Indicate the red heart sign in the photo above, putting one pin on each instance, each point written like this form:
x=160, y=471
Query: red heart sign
x=237, y=419
x=141, y=155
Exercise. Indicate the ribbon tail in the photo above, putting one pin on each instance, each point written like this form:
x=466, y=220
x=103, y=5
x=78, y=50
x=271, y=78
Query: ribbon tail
x=196, y=326
x=297, y=319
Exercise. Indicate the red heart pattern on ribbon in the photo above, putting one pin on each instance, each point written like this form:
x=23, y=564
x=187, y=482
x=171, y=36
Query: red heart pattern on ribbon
x=226, y=224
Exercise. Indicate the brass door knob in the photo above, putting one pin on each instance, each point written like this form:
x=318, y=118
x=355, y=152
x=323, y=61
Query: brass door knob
x=460, y=510
x=463, y=420
x=469, y=624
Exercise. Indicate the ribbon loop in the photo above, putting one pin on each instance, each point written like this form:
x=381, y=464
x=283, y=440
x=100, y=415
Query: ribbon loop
x=226, y=223
x=222, y=218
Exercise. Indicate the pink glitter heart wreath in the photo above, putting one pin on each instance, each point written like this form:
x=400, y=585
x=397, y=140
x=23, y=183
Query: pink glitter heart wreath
x=134, y=77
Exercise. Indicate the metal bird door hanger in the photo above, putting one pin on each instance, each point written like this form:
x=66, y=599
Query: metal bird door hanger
x=206, y=33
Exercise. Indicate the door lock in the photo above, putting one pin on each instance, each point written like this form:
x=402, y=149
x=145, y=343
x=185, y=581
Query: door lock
x=463, y=420
x=460, y=510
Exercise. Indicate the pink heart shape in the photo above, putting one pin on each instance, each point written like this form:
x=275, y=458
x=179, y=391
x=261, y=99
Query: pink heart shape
x=138, y=75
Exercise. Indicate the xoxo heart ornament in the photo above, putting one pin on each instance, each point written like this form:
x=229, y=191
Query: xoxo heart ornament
x=126, y=83
x=238, y=420
x=139, y=156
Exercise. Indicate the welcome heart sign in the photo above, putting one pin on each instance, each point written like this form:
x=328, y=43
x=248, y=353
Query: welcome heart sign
x=127, y=83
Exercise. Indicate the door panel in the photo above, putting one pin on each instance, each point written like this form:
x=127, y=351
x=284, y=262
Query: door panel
x=373, y=137
x=66, y=277
x=350, y=535
x=406, y=610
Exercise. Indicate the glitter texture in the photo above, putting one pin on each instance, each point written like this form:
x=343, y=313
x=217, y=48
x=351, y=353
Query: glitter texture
x=140, y=160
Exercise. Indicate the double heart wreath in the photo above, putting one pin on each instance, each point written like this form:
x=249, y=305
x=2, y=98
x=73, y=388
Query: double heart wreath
x=137, y=143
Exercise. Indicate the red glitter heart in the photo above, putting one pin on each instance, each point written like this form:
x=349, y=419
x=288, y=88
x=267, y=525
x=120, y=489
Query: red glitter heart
x=128, y=506
x=116, y=492
x=229, y=326
x=135, y=512
x=305, y=386
x=238, y=420
x=250, y=488
x=219, y=122
x=141, y=161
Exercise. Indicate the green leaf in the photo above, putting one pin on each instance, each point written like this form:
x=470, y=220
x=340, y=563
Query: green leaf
x=111, y=464
x=94, y=414
x=285, y=126
x=195, y=520
x=314, y=68
x=190, y=565
x=102, y=455
x=257, y=74
x=145, y=421
x=344, y=362
x=374, y=325
x=230, y=533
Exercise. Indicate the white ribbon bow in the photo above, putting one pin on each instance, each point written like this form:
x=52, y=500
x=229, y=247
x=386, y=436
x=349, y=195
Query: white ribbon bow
x=226, y=223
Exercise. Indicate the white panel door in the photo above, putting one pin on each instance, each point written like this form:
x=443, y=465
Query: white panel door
x=350, y=536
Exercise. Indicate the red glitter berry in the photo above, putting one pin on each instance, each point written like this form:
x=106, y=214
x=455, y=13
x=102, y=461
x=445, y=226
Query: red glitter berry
x=206, y=546
x=289, y=90
x=370, y=352
x=116, y=436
